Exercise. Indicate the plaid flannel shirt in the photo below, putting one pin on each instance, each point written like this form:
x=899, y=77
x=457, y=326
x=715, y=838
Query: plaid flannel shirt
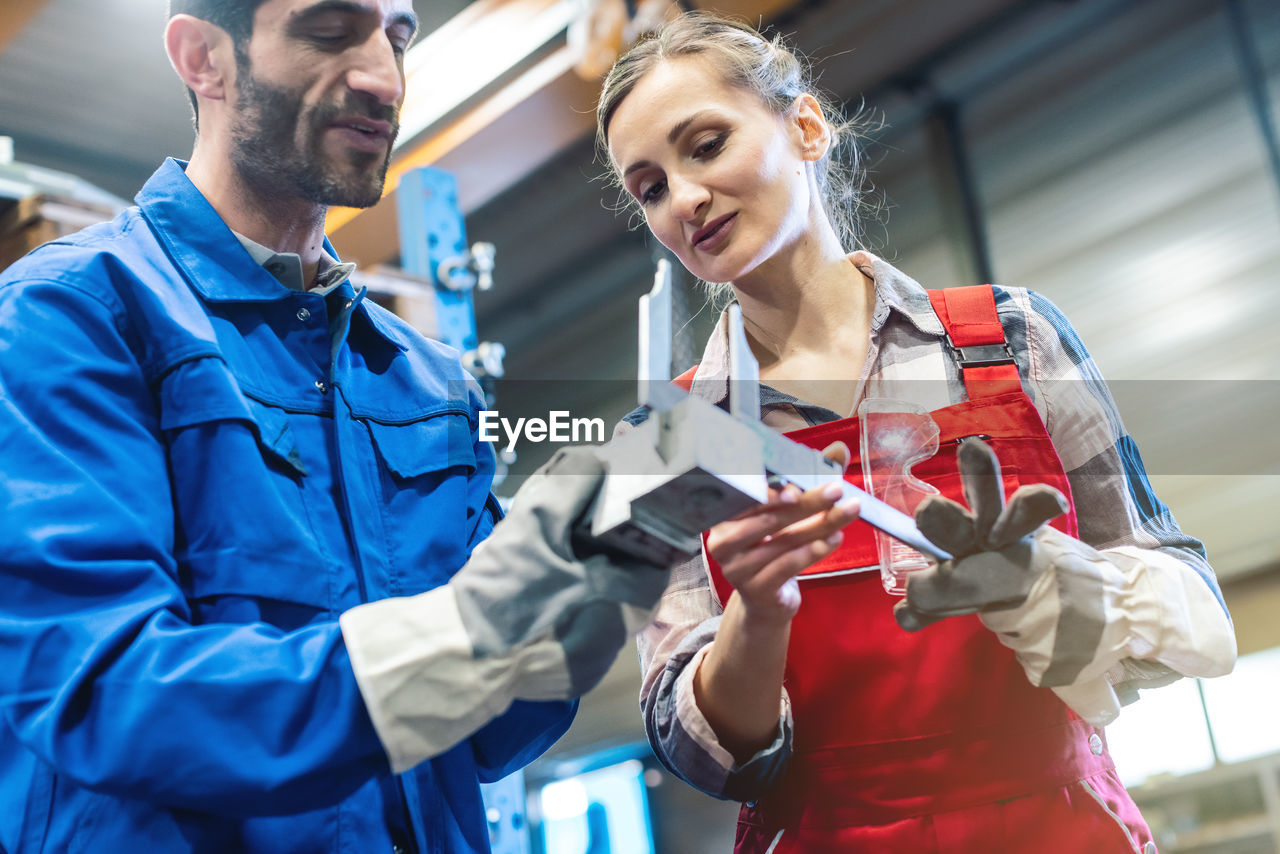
x=909, y=358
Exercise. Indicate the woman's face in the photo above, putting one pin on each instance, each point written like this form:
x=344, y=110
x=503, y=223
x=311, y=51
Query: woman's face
x=720, y=177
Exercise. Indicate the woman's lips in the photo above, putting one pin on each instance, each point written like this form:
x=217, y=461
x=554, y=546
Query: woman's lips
x=715, y=233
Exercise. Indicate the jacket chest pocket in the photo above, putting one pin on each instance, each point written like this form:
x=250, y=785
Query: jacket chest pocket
x=434, y=443
x=245, y=547
x=431, y=492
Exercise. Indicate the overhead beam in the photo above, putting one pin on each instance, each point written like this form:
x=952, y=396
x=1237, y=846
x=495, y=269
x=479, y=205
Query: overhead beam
x=481, y=46
x=14, y=16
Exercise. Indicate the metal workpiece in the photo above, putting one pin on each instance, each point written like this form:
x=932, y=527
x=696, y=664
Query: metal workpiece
x=674, y=476
x=653, y=358
x=692, y=465
x=744, y=372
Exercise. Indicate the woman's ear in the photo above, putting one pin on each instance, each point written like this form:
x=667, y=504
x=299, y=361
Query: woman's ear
x=810, y=127
x=200, y=53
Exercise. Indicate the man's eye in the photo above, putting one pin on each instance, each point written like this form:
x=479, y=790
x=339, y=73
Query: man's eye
x=400, y=39
x=328, y=39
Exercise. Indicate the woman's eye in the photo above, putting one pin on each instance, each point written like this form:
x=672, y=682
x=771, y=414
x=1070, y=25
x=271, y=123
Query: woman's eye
x=709, y=146
x=652, y=192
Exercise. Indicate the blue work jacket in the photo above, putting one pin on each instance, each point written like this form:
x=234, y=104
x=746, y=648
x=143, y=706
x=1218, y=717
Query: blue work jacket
x=197, y=479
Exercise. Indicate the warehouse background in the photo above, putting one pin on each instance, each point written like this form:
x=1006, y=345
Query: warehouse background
x=1119, y=156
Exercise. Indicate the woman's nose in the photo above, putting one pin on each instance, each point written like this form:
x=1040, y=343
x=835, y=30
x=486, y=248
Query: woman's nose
x=687, y=198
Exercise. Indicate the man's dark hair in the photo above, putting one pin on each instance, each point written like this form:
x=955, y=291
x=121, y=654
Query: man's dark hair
x=234, y=16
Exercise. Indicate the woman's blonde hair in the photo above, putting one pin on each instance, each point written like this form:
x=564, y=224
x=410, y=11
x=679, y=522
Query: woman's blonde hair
x=771, y=70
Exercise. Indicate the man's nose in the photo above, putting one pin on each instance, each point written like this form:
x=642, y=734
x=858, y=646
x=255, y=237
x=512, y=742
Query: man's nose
x=378, y=71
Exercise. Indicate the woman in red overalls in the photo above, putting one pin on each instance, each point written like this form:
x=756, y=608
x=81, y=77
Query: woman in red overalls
x=775, y=672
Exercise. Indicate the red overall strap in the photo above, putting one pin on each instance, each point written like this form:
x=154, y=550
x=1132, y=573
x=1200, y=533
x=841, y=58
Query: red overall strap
x=685, y=380
x=973, y=329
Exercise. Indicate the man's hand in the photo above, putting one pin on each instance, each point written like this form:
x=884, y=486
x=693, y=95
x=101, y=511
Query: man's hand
x=529, y=583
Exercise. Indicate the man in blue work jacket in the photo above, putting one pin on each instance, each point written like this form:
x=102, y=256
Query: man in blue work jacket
x=244, y=608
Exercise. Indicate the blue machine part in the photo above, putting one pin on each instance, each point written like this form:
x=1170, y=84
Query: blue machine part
x=432, y=233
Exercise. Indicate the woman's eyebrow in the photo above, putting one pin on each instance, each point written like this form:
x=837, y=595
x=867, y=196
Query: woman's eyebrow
x=672, y=135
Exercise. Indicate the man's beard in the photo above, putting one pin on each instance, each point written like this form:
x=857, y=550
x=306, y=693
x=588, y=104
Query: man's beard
x=269, y=156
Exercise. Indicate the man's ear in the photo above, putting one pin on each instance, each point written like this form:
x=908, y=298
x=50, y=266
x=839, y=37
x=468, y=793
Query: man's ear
x=810, y=128
x=202, y=54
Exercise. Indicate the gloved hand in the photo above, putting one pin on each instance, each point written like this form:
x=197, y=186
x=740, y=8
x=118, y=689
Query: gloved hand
x=527, y=617
x=994, y=563
x=529, y=581
x=1059, y=604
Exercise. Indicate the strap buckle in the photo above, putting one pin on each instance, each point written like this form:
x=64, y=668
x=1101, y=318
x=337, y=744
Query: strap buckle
x=982, y=355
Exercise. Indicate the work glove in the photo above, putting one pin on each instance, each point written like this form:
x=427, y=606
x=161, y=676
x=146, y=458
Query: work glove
x=534, y=579
x=1058, y=603
x=534, y=614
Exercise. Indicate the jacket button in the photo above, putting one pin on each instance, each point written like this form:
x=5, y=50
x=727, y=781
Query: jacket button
x=304, y=314
x=397, y=849
x=320, y=384
x=1095, y=744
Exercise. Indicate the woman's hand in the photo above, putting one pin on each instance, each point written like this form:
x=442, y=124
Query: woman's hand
x=763, y=550
x=738, y=685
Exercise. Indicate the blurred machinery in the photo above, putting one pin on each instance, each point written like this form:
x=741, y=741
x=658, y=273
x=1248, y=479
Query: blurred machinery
x=598, y=803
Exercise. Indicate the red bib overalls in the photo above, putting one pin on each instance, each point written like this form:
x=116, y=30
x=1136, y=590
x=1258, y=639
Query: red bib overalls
x=934, y=741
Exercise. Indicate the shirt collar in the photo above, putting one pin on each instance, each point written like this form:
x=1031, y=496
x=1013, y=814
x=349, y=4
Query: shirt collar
x=896, y=292
x=899, y=293
x=286, y=267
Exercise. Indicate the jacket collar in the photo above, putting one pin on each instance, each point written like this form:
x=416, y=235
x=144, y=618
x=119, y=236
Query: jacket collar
x=204, y=248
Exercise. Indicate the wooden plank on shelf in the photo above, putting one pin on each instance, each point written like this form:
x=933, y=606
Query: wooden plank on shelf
x=19, y=213
x=14, y=17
